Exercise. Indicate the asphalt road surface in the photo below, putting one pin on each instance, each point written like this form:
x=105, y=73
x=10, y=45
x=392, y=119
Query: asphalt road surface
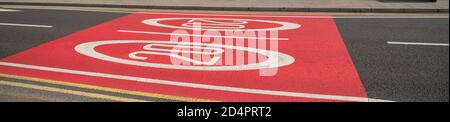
x=397, y=58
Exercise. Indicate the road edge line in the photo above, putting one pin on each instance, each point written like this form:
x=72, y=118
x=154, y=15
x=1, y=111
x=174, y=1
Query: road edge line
x=72, y=92
x=114, y=90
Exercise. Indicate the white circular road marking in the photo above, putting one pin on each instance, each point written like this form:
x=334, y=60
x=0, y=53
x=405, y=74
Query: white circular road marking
x=284, y=25
x=274, y=59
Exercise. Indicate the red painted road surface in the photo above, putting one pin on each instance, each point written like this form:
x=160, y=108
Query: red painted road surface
x=322, y=70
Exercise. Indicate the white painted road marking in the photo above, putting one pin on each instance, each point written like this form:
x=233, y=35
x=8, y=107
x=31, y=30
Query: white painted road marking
x=196, y=35
x=417, y=43
x=193, y=85
x=284, y=25
x=274, y=58
x=26, y=25
x=7, y=10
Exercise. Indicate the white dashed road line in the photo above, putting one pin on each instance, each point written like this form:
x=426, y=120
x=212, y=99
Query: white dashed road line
x=7, y=10
x=418, y=43
x=26, y=25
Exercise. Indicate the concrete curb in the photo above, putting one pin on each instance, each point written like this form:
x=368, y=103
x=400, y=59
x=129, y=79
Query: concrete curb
x=352, y=10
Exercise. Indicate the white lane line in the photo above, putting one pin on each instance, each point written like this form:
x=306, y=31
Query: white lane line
x=379, y=100
x=191, y=85
x=7, y=10
x=195, y=35
x=418, y=43
x=26, y=25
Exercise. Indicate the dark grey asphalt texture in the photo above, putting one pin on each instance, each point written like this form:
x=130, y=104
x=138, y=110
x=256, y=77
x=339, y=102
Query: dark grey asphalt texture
x=391, y=72
x=16, y=39
x=399, y=72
